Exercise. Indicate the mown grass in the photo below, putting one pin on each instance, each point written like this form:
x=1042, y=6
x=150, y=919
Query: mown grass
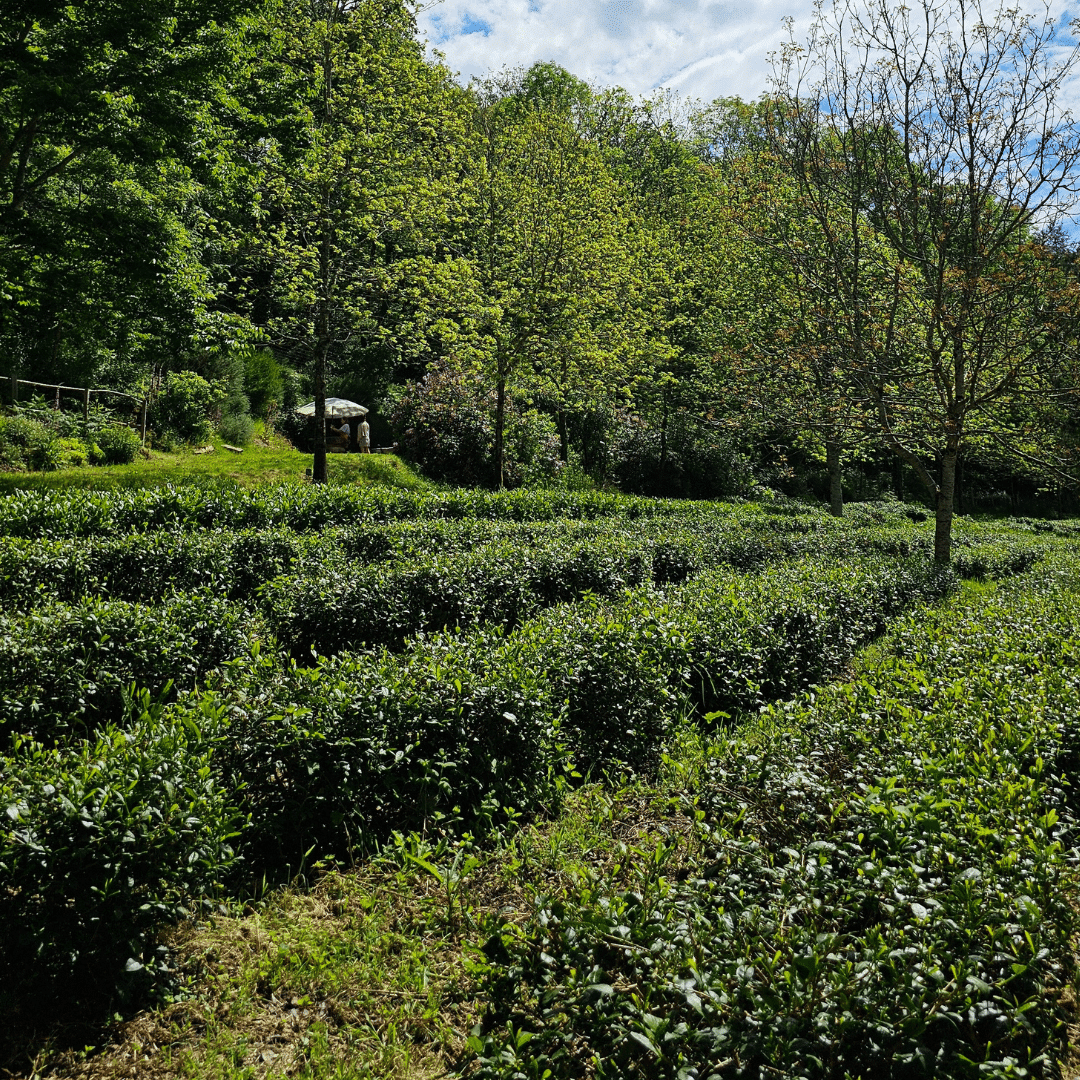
x=266, y=461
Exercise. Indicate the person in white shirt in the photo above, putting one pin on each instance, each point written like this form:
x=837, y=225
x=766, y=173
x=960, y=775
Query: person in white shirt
x=365, y=437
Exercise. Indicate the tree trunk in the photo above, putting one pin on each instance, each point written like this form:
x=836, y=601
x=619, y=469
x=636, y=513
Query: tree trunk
x=944, y=515
x=836, y=480
x=318, y=472
x=322, y=315
x=564, y=437
x=500, y=421
x=663, y=439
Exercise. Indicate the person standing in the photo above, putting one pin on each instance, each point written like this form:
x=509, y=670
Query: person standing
x=365, y=437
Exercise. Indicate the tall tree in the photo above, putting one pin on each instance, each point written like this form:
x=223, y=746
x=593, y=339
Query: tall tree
x=352, y=173
x=940, y=128
x=97, y=101
x=551, y=248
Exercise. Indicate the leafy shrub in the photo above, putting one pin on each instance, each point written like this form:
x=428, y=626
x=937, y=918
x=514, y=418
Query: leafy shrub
x=462, y=726
x=65, y=669
x=151, y=566
x=995, y=559
x=690, y=460
x=28, y=444
x=237, y=428
x=880, y=887
x=58, y=416
x=338, y=757
x=460, y=577
x=185, y=405
x=446, y=426
x=60, y=513
x=102, y=844
x=118, y=444
x=337, y=607
x=264, y=381
x=73, y=453
x=532, y=448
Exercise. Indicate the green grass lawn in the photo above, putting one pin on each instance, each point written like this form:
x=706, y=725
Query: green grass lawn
x=267, y=461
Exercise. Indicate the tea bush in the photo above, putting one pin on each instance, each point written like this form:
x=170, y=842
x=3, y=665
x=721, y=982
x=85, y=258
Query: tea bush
x=151, y=566
x=101, y=845
x=340, y=607
x=336, y=606
x=587, y=626
x=462, y=726
x=882, y=888
x=61, y=514
x=66, y=668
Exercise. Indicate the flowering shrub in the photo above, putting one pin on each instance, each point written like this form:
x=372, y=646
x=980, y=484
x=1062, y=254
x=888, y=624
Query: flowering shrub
x=445, y=424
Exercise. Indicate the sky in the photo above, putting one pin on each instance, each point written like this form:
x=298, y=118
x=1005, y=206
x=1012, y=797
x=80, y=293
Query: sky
x=701, y=48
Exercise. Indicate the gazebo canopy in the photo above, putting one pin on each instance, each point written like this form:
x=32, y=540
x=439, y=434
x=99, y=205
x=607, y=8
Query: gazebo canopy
x=336, y=409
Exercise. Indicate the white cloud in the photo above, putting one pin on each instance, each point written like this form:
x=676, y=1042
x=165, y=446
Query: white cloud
x=701, y=48
x=704, y=48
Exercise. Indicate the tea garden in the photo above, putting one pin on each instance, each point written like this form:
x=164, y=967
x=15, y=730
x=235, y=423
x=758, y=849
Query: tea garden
x=865, y=863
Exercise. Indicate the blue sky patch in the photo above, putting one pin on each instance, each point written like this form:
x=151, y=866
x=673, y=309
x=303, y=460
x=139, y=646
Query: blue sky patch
x=470, y=24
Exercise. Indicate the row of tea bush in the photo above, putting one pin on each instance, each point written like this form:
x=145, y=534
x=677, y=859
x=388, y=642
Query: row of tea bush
x=105, y=838
x=65, y=667
x=68, y=668
x=63, y=514
x=884, y=884
x=236, y=564
x=337, y=608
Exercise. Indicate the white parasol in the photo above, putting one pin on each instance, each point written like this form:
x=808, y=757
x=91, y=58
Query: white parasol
x=336, y=409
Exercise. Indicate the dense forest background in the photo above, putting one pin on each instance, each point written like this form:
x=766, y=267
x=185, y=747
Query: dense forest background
x=528, y=279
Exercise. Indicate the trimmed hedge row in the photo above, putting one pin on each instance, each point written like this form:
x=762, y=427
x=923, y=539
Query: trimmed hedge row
x=105, y=839
x=327, y=587
x=62, y=514
x=65, y=669
x=339, y=755
x=338, y=607
x=884, y=890
x=101, y=844
x=151, y=566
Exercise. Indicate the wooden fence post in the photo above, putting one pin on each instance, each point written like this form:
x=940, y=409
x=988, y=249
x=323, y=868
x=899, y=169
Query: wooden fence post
x=86, y=407
x=14, y=389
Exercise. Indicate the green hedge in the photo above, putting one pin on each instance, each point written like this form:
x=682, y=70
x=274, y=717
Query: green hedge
x=151, y=566
x=102, y=844
x=62, y=514
x=65, y=669
x=342, y=607
x=884, y=885
x=462, y=725
x=107, y=837
x=337, y=606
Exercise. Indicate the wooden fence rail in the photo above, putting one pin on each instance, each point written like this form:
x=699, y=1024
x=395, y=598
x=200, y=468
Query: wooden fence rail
x=83, y=391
